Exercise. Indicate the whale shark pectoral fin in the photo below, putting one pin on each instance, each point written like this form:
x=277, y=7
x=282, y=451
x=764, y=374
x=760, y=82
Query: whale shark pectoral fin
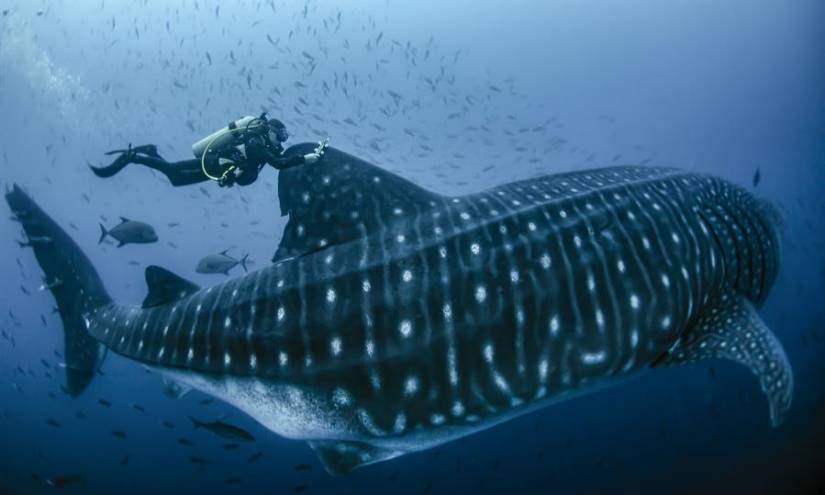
x=733, y=330
x=340, y=458
x=174, y=389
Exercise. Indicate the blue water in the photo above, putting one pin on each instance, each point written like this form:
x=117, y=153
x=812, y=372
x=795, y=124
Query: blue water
x=491, y=92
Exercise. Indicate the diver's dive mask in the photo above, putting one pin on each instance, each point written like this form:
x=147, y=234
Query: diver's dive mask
x=276, y=131
x=278, y=134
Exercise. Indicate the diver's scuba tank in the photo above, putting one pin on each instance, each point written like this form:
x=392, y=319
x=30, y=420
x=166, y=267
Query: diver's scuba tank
x=227, y=137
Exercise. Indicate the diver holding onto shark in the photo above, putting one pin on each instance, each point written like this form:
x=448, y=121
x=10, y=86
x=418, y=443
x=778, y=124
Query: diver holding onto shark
x=232, y=155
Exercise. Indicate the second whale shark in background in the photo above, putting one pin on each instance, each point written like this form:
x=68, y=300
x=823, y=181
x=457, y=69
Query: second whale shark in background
x=396, y=319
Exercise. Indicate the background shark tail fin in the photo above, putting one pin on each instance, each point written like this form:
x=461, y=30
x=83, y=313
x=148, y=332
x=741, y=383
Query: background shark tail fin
x=103, y=234
x=72, y=280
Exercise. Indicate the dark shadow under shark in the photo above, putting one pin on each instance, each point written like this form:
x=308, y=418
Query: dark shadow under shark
x=396, y=319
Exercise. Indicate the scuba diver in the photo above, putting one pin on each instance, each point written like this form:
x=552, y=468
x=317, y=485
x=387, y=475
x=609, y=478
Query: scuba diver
x=232, y=155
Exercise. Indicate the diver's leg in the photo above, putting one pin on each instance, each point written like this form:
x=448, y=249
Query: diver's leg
x=182, y=173
x=125, y=157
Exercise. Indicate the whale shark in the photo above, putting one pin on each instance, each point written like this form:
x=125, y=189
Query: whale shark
x=395, y=319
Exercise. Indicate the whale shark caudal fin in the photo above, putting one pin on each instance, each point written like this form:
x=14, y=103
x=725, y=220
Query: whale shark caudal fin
x=341, y=457
x=732, y=330
x=80, y=292
x=339, y=199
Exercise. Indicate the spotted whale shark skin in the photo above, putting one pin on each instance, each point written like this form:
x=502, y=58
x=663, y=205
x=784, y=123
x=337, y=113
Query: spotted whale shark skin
x=396, y=319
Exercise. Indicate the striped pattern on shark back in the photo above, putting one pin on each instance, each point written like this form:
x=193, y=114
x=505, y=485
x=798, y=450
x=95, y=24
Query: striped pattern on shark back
x=480, y=302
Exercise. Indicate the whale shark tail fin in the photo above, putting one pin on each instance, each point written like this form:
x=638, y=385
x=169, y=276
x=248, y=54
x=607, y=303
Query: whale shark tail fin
x=733, y=330
x=72, y=280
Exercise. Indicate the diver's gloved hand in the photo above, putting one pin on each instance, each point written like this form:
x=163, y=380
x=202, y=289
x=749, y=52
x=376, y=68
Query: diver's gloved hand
x=322, y=146
x=311, y=158
x=227, y=180
x=317, y=153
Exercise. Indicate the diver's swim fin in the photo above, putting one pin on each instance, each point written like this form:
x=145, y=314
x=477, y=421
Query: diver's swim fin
x=125, y=158
x=115, y=167
x=144, y=149
x=109, y=170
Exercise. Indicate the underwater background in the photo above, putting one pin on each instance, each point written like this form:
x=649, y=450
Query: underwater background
x=457, y=96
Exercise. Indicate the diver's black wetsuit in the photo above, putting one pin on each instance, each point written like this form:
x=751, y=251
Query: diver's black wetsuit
x=259, y=150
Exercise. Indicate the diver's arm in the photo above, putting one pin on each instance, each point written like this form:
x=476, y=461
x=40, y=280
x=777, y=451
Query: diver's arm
x=264, y=154
x=282, y=163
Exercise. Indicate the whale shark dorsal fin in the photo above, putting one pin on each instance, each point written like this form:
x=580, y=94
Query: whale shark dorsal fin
x=733, y=330
x=341, y=457
x=165, y=287
x=341, y=198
